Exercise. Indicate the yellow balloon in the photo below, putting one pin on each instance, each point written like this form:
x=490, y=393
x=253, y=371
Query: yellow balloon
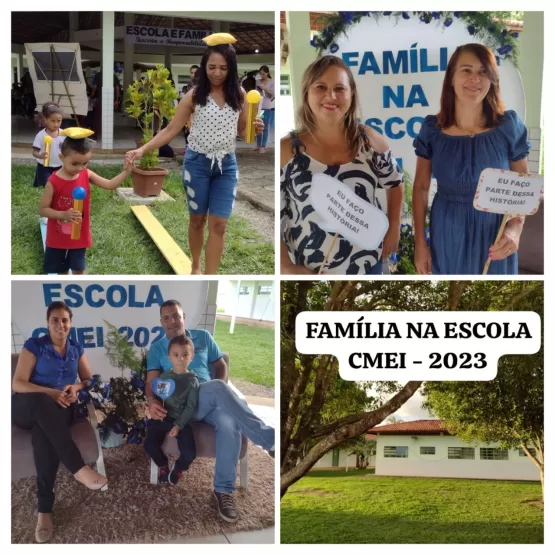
x=76, y=132
x=47, y=139
x=253, y=97
x=219, y=38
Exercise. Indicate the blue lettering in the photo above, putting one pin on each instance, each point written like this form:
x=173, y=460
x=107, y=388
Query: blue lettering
x=347, y=58
x=400, y=162
x=39, y=331
x=110, y=294
x=89, y=295
x=374, y=123
x=410, y=126
x=416, y=96
x=142, y=337
x=51, y=292
x=100, y=336
x=424, y=67
x=413, y=59
x=398, y=99
x=443, y=58
x=389, y=131
x=395, y=64
x=154, y=296
x=75, y=299
x=369, y=63
x=86, y=337
x=72, y=334
x=132, y=302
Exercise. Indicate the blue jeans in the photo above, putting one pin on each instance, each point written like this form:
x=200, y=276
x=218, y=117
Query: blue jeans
x=219, y=406
x=209, y=190
x=268, y=116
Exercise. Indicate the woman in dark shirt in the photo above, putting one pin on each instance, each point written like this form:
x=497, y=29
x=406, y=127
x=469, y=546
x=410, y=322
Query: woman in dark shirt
x=45, y=390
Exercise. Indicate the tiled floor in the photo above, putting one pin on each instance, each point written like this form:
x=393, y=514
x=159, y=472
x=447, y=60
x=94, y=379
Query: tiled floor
x=265, y=536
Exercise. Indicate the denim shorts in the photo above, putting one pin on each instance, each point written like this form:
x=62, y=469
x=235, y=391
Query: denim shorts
x=57, y=261
x=209, y=190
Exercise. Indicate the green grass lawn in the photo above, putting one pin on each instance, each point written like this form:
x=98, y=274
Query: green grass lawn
x=339, y=507
x=251, y=352
x=120, y=243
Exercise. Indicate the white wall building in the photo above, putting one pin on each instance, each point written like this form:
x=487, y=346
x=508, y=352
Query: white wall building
x=247, y=299
x=341, y=459
x=425, y=448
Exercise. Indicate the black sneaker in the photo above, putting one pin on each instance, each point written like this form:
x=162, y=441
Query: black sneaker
x=175, y=476
x=226, y=506
x=163, y=474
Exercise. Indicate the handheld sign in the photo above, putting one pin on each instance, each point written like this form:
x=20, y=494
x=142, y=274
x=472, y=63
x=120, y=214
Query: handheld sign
x=344, y=212
x=509, y=193
x=78, y=195
x=163, y=388
x=506, y=192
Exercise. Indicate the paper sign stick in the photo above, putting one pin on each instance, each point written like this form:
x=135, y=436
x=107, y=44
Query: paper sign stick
x=327, y=254
x=78, y=195
x=501, y=230
x=253, y=98
x=47, y=145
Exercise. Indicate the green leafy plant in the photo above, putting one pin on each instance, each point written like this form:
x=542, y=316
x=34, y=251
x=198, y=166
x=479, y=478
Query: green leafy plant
x=150, y=100
x=120, y=398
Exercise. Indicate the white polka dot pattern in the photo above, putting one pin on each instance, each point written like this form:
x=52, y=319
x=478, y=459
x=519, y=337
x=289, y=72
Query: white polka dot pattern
x=213, y=130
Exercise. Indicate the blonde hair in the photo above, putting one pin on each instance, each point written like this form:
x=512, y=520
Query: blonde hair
x=355, y=135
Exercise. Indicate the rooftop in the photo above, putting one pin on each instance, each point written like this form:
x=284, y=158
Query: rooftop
x=416, y=427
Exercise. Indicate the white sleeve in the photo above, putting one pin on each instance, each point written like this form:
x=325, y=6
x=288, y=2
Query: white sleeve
x=39, y=141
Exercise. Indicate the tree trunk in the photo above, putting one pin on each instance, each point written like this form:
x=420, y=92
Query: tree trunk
x=537, y=459
x=367, y=420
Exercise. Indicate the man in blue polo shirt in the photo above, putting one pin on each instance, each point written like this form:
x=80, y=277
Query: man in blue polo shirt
x=218, y=404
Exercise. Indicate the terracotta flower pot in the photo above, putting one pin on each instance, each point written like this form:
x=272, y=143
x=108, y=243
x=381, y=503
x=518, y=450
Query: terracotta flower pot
x=148, y=183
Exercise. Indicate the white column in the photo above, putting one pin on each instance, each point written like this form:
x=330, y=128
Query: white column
x=128, y=53
x=211, y=307
x=530, y=62
x=108, y=21
x=301, y=54
x=168, y=53
x=232, y=325
x=19, y=65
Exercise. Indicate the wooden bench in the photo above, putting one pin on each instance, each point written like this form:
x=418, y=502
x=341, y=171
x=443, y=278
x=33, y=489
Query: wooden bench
x=172, y=252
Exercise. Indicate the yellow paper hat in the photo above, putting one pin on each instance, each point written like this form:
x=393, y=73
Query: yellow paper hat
x=76, y=132
x=219, y=38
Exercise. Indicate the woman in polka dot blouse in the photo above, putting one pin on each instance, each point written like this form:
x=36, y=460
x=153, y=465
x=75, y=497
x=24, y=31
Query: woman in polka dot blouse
x=218, y=109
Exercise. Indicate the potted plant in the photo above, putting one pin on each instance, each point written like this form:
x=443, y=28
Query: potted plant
x=120, y=399
x=150, y=100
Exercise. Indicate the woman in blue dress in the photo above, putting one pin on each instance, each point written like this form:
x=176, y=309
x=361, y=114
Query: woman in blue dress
x=472, y=132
